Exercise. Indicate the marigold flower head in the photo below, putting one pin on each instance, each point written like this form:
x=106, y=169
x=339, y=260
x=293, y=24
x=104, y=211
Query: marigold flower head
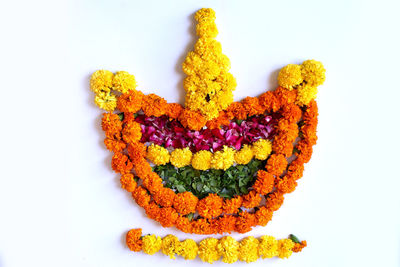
x=192, y=119
x=133, y=240
x=157, y=154
x=202, y=160
x=285, y=247
x=269, y=102
x=210, y=206
x=181, y=157
x=151, y=244
x=223, y=159
x=208, y=48
x=264, y=183
x=183, y=223
x=123, y=82
x=248, y=249
x=131, y=132
x=174, y=110
x=228, y=248
x=114, y=145
x=120, y=163
x=313, y=72
x=261, y=149
x=131, y=101
x=101, y=81
x=188, y=249
x=276, y=164
x=185, y=203
x=268, y=247
x=245, y=221
x=286, y=185
x=106, y=100
x=290, y=76
x=170, y=245
x=128, y=182
x=305, y=94
x=205, y=14
x=299, y=246
x=263, y=216
x=237, y=110
x=208, y=250
x=284, y=96
x=251, y=200
x=231, y=206
x=141, y=196
x=206, y=29
x=274, y=201
x=252, y=106
x=153, y=105
x=164, y=196
x=111, y=123
x=244, y=155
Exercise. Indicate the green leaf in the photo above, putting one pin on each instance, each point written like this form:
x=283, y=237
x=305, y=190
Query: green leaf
x=294, y=238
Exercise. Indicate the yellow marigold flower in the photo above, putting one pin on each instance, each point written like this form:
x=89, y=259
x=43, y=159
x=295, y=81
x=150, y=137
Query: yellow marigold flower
x=228, y=248
x=268, y=247
x=157, y=154
x=188, y=249
x=170, y=245
x=208, y=250
x=207, y=48
x=151, y=244
x=313, y=72
x=261, y=149
x=181, y=157
x=207, y=29
x=223, y=159
x=123, y=82
x=285, y=248
x=305, y=94
x=290, y=76
x=226, y=81
x=202, y=160
x=244, y=155
x=205, y=14
x=106, y=100
x=101, y=81
x=248, y=249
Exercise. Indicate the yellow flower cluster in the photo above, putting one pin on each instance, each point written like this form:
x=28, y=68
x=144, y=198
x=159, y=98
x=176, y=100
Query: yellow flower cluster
x=102, y=82
x=209, y=85
x=204, y=160
x=227, y=248
x=305, y=78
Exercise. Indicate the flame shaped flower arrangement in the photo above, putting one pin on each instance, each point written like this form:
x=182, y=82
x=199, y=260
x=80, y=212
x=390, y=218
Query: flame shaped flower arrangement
x=214, y=166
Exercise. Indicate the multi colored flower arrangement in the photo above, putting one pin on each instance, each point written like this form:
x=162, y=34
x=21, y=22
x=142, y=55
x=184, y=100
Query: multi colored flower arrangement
x=211, y=249
x=213, y=166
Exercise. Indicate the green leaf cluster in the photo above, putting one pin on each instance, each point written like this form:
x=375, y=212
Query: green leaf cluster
x=234, y=181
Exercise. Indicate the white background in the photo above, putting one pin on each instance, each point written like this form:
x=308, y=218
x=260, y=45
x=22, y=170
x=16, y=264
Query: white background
x=60, y=202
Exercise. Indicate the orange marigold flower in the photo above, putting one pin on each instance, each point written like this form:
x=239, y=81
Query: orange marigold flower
x=251, y=200
x=245, y=222
x=152, y=211
x=252, y=106
x=299, y=246
x=217, y=122
x=130, y=101
x=286, y=185
x=183, y=224
x=136, y=152
x=223, y=224
x=295, y=169
x=305, y=151
x=285, y=96
x=164, y=197
x=141, y=196
x=237, y=110
x=311, y=113
x=167, y=217
x=120, y=163
x=232, y=205
x=128, y=182
x=210, y=206
x=276, y=164
x=288, y=129
x=174, y=110
x=263, y=216
x=264, y=183
x=153, y=183
x=202, y=227
x=133, y=240
x=131, y=133
x=111, y=123
x=283, y=144
x=269, y=102
x=274, y=201
x=142, y=168
x=185, y=203
x=192, y=119
x=114, y=145
x=153, y=105
x=310, y=133
x=292, y=113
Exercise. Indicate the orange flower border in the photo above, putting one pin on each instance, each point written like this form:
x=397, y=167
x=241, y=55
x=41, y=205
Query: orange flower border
x=217, y=215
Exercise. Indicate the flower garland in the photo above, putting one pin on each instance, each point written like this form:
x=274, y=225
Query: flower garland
x=211, y=249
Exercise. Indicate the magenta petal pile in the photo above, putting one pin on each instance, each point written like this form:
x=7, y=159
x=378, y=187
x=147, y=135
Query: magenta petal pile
x=171, y=134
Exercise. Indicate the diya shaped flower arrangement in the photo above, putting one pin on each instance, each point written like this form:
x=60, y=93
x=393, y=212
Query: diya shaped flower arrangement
x=213, y=166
